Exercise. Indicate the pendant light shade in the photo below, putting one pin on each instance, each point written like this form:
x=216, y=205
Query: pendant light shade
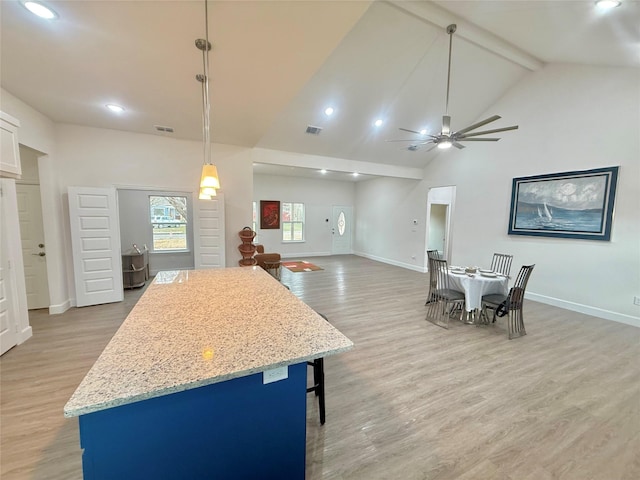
x=209, y=177
x=209, y=180
x=207, y=193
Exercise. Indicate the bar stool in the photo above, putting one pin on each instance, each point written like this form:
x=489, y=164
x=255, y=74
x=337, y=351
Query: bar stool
x=318, y=381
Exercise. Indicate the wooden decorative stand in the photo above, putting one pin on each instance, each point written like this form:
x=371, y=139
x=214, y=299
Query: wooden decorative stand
x=247, y=248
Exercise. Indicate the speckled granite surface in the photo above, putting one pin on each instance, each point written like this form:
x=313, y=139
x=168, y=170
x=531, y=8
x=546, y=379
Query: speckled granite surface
x=197, y=327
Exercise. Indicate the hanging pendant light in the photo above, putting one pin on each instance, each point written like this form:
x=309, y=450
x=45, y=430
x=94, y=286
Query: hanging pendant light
x=209, y=180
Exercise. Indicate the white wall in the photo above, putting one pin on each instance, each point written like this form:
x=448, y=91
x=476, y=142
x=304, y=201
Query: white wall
x=318, y=197
x=385, y=230
x=135, y=228
x=99, y=158
x=571, y=118
x=38, y=132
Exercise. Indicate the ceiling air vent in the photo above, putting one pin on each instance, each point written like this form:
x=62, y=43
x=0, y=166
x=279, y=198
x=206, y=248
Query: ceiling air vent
x=160, y=128
x=313, y=130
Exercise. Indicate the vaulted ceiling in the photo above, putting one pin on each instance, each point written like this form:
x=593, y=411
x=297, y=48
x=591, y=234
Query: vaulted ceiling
x=276, y=65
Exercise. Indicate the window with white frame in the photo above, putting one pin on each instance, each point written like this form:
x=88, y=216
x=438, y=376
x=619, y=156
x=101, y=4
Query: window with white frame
x=168, y=217
x=292, y=222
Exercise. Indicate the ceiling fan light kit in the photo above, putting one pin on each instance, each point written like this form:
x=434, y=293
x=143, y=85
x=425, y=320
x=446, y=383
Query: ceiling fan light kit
x=446, y=138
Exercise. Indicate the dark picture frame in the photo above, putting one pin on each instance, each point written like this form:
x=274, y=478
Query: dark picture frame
x=269, y=214
x=575, y=204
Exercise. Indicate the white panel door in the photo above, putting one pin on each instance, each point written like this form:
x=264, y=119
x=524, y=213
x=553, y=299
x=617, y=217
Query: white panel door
x=208, y=228
x=95, y=239
x=341, y=229
x=33, y=248
x=8, y=321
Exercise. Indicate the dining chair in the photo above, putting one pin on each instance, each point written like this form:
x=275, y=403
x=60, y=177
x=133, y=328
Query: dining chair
x=444, y=298
x=318, y=381
x=501, y=263
x=511, y=304
x=432, y=278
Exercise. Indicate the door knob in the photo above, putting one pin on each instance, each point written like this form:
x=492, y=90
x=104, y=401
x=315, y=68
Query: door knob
x=41, y=245
x=41, y=254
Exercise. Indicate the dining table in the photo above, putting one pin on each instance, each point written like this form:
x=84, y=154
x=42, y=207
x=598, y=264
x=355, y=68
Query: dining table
x=475, y=283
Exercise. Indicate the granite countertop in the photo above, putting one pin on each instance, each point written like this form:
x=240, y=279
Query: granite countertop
x=197, y=327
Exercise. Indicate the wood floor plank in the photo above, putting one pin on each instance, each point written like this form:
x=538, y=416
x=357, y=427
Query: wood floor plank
x=410, y=401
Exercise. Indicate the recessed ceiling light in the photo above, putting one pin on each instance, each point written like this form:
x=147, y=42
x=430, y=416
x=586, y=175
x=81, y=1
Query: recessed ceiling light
x=328, y=111
x=423, y=131
x=115, y=108
x=40, y=10
x=608, y=4
x=323, y=171
x=355, y=174
x=378, y=122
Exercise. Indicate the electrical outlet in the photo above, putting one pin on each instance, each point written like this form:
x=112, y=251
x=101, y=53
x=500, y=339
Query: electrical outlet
x=275, y=375
x=636, y=300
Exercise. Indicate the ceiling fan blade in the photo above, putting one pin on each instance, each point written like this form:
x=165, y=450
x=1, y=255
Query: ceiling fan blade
x=410, y=131
x=458, y=145
x=484, y=132
x=417, y=133
x=431, y=148
x=478, y=139
x=479, y=124
x=416, y=146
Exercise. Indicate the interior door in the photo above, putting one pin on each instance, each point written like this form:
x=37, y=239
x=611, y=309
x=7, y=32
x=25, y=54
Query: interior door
x=341, y=228
x=33, y=247
x=8, y=321
x=95, y=240
x=209, y=251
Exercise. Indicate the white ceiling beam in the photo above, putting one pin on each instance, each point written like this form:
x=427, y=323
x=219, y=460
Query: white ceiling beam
x=289, y=159
x=436, y=15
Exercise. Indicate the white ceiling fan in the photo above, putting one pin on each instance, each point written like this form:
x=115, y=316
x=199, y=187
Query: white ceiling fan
x=446, y=138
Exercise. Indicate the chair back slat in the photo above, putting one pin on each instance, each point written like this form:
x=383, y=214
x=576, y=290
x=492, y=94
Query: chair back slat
x=501, y=263
x=440, y=271
x=516, y=295
x=433, y=254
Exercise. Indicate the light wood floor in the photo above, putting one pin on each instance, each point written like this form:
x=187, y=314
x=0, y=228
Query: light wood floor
x=411, y=401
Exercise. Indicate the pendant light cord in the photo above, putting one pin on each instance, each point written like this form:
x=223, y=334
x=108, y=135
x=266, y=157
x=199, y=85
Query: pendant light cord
x=205, y=89
x=450, y=31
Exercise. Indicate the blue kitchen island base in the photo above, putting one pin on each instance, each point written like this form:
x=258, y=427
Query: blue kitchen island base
x=237, y=429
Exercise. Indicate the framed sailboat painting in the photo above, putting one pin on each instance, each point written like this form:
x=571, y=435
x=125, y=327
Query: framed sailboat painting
x=567, y=205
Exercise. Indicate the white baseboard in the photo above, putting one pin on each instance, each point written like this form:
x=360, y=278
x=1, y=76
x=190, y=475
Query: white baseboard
x=305, y=255
x=586, y=309
x=25, y=334
x=416, y=268
x=61, y=308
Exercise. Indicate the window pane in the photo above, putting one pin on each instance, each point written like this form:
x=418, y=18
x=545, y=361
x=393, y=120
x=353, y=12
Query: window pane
x=286, y=232
x=297, y=231
x=298, y=212
x=341, y=224
x=168, y=218
x=286, y=212
x=169, y=237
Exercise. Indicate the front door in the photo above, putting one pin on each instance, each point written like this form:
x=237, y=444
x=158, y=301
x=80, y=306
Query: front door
x=33, y=247
x=341, y=229
x=95, y=240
